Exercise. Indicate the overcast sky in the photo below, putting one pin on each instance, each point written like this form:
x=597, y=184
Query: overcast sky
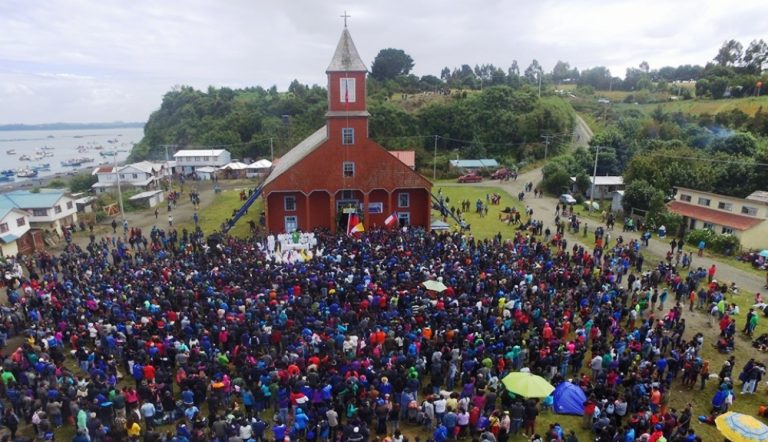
x=107, y=60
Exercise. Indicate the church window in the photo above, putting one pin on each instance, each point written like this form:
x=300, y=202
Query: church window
x=403, y=200
x=290, y=203
x=347, y=90
x=347, y=135
x=349, y=169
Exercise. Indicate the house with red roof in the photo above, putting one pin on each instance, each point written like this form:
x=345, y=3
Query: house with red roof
x=746, y=218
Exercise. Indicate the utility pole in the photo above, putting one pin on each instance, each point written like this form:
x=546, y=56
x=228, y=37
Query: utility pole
x=546, y=145
x=119, y=191
x=434, y=162
x=594, y=177
x=272, y=149
x=539, y=83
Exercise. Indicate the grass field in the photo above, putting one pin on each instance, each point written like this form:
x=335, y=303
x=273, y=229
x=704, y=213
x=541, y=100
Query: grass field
x=748, y=105
x=212, y=216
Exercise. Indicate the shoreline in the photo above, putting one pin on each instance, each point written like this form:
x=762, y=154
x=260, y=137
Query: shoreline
x=44, y=180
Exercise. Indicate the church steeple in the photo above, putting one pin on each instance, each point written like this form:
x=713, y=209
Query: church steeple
x=346, y=58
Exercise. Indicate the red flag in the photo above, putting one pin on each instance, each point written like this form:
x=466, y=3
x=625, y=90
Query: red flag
x=391, y=220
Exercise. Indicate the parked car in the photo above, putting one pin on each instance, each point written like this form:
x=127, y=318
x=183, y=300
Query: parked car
x=501, y=174
x=470, y=178
x=567, y=199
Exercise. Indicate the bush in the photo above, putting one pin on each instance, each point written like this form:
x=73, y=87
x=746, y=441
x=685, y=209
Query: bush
x=57, y=184
x=725, y=244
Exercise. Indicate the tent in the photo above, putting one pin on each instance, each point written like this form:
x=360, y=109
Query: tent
x=569, y=399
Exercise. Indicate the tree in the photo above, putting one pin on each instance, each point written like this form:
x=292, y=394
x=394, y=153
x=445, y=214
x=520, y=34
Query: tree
x=729, y=54
x=514, y=70
x=533, y=71
x=82, y=182
x=639, y=194
x=561, y=71
x=755, y=56
x=740, y=143
x=390, y=63
x=645, y=67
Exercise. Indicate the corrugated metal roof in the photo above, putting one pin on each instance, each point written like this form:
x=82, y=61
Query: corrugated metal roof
x=346, y=58
x=25, y=199
x=738, y=222
x=9, y=238
x=147, y=194
x=486, y=162
x=198, y=153
x=605, y=180
x=296, y=154
x=758, y=195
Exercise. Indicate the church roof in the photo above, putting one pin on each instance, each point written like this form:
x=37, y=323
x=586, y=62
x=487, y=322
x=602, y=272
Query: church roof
x=346, y=58
x=296, y=154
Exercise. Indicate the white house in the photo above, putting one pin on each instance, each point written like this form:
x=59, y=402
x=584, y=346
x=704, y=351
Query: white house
x=144, y=175
x=49, y=209
x=189, y=160
x=14, y=225
x=604, y=186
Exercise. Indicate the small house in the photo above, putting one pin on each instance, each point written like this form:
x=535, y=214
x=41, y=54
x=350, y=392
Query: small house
x=205, y=173
x=189, y=161
x=49, y=209
x=258, y=168
x=150, y=198
x=604, y=187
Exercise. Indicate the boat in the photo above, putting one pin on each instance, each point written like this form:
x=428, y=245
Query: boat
x=47, y=148
x=25, y=158
x=108, y=153
x=38, y=156
x=8, y=172
x=11, y=151
x=74, y=162
x=86, y=160
x=26, y=173
x=50, y=136
x=44, y=166
x=6, y=178
x=99, y=147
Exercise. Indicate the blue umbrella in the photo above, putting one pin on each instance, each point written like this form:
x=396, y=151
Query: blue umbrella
x=764, y=253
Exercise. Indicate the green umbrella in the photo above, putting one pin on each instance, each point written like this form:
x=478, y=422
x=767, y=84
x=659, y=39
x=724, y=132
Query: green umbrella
x=435, y=286
x=527, y=385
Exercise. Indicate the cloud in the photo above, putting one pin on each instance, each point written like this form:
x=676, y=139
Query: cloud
x=83, y=60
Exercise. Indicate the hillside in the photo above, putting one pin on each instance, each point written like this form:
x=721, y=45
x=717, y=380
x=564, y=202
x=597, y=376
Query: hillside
x=504, y=122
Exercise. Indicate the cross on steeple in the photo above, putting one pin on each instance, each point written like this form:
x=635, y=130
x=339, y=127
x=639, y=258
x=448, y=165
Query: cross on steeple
x=345, y=17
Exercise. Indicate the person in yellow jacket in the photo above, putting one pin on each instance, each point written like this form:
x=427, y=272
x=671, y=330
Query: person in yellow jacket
x=134, y=430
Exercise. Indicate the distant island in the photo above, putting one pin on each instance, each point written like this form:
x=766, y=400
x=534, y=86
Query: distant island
x=69, y=126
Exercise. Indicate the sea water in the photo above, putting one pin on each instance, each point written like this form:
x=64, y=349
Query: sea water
x=66, y=145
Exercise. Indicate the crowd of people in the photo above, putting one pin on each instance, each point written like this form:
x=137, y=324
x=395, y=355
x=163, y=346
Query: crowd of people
x=178, y=337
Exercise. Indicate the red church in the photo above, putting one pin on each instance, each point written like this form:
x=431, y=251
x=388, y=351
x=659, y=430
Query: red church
x=338, y=170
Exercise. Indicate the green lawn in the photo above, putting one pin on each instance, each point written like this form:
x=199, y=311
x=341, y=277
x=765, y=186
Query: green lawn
x=485, y=226
x=225, y=202
x=748, y=105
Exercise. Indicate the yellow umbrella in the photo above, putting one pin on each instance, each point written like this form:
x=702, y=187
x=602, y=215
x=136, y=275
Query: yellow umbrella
x=527, y=385
x=738, y=427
